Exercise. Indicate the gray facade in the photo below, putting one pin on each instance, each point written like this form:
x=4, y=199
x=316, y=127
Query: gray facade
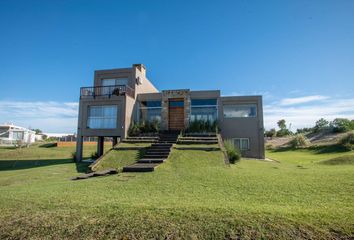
x=121, y=96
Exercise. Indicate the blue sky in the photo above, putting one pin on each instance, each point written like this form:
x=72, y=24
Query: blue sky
x=298, y=54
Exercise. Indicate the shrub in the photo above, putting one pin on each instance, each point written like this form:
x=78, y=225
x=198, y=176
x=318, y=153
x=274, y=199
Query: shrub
x=232, y=152
x=271, y=133
x=134, y=129
x=269, y=147
x=94, y=155
x=342, y=125
x=153, y=126
x=283, y=132
x=73, y=156
x=304, y=130
x=144, y=127
x=299, y=141
x=348, y=141
x=202, y=126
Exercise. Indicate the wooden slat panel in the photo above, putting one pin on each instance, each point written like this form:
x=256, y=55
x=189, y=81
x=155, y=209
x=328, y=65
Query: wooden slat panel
x=176, y=118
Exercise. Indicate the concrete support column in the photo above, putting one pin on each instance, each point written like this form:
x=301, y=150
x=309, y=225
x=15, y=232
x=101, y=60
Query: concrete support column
x=100, y=146
x=114, y=141
x=79, y=148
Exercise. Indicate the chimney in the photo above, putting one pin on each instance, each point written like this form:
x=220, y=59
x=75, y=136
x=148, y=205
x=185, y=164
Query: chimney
x=141, y=68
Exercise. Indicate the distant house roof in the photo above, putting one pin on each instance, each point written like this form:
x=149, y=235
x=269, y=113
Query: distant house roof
x=57, y=134
x=14, y=127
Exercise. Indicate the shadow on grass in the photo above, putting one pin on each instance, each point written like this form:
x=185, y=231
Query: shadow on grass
x=9, y=165
x=316, y=149
x=48, y=145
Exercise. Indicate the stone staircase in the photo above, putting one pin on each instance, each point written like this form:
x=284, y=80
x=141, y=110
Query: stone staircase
x=141, y=139
x=208, y=138
x=156, y=154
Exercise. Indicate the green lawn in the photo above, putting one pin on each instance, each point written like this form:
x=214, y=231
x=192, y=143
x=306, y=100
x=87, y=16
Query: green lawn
x=123, y=155
x=193, y=195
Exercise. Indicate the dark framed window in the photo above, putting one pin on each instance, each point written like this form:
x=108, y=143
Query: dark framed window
x=242, y=143
x=204, y=109
x=240, y=111
x=179, y=103
x=150, y=104
x=149, y=111
x=102, y=117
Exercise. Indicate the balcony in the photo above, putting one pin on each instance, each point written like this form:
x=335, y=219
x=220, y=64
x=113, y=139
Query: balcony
x=106, y=91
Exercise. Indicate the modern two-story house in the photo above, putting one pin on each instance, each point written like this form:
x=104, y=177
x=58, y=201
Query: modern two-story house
x=121, y=96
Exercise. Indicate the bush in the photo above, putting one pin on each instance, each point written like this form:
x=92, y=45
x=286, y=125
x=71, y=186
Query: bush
x=73, y=156
x=348, y=141
x=232, y=152
x=271, y=133
x=304, y=130
x=94, y=155
x=136, y=129
x=299, y=141
x=202, y=126
x=283, y=133
x=340, y=125
x=269, y=147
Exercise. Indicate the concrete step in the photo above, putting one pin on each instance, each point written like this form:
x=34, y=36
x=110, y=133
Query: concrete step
x=199, y=135
x=161, y=145
x=138, y=141
x=156, y=155
x=164, y=148
x=157, y=151
x=141, y=167
x=198, y=138
x=151, y=160
x=147, y=138
x=197, y=142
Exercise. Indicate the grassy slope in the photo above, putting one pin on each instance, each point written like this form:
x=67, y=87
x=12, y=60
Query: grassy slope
x=122, y=156
x=192, y=195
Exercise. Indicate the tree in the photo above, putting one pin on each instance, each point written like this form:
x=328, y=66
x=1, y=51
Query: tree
x=282, y=124
x=38, y=131
x=304, y=130
x=283, y=130
x=342, y=125
x=321, y=124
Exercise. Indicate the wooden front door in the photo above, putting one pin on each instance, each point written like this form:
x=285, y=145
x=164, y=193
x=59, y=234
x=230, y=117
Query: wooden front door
x=176, y=114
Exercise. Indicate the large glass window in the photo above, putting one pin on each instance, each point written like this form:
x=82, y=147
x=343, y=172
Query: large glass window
x=242, y=143
x=234, y=111
x=106, y=83
x=150, y=111
x=114, y=81
x=102, y=117
x=204, y=109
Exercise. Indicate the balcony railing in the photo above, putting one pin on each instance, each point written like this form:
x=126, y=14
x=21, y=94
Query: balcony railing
x=106, y=91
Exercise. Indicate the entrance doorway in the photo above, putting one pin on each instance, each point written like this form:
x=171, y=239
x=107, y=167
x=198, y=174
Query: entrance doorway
x=176, y=114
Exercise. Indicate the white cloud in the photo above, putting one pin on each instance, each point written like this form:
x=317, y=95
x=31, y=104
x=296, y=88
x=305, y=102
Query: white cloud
x=299, y=100
x=303, y=115
x=48, y=116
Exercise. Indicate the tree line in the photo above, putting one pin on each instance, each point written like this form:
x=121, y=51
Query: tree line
x=338, y=125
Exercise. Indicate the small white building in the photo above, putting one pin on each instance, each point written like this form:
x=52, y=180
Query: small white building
x=11, y=135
